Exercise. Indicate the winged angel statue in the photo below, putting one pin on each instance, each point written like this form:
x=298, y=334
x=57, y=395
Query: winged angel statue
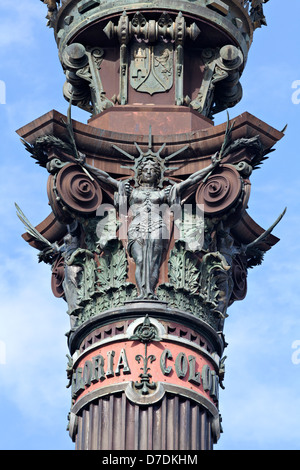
x=147, y=232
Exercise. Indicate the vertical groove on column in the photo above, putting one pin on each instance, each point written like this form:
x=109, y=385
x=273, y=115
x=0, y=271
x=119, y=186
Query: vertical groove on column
x=129, y=425
x=204, y=425
x=164, y=424
x=136, y=426
x=184, y=425
x=209, y=439
x=158, y=426
x=124, y=419
x=105, y=423
x=195, y=427
x=143, y=434
x=114, y=423
x=98, y=408
x=93, y=425
x=111, y=421
x=173, y=423
x=118, y=423
x=79, y=433
x=150, y=416
x=84, y=423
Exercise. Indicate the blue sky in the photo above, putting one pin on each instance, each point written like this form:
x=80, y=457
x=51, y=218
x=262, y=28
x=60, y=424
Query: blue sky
x=260, y=405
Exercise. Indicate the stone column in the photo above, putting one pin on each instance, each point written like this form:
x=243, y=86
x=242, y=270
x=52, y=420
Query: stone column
x=145, y=378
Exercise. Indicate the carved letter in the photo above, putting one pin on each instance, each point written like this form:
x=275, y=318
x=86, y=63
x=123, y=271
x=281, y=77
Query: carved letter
x=87, y=372
x=98, y=369
x=181, y=365
x=206, y=378
x=110, y=363
x=77, y=384
x=122, y=362
x=194, y=376
x=166, y=354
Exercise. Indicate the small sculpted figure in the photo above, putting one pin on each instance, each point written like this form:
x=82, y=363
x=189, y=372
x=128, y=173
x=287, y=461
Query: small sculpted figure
x=52, y=9
x=257, y=13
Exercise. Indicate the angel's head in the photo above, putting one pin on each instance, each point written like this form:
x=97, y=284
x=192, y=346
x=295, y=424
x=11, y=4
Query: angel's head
x=149, y=172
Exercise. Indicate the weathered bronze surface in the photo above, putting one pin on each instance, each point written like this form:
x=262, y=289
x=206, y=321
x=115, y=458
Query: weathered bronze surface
x=136, y=57
x=149, y=239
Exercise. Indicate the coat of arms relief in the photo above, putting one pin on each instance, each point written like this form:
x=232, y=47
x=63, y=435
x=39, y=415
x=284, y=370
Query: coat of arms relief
x=151, y=67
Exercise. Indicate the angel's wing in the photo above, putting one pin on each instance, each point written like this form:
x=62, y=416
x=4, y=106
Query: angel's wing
x=264, y=235
x=32, y=230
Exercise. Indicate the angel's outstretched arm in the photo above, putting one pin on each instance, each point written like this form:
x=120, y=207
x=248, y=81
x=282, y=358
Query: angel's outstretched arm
x=102, y=176
x=197, y=176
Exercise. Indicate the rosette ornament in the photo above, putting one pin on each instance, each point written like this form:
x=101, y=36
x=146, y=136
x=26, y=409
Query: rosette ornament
x=73, y=193
x=239, y=277
x=221, y=192
x=57, y=278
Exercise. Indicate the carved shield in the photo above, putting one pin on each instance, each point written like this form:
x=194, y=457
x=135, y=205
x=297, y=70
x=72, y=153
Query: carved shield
x=151, y=68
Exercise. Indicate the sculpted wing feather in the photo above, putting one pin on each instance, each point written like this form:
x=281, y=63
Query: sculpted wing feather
x=38, y=150
x=31, y=230
x=264, y=235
